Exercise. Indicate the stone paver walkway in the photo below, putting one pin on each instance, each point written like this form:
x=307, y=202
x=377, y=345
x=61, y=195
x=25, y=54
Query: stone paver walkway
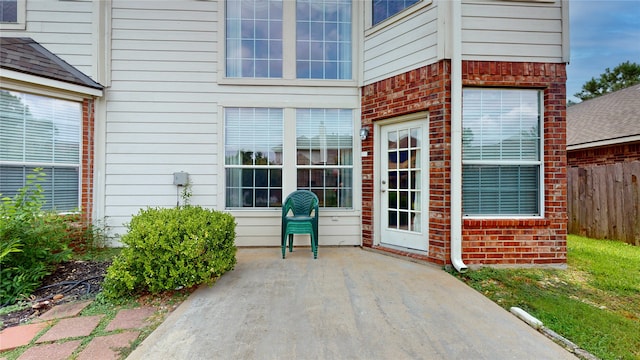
x=62, y=332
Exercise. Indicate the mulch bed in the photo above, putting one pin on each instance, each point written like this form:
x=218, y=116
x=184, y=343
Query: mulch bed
x=71, y=281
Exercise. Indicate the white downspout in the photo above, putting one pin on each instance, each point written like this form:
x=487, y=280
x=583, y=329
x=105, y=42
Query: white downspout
x=456, y=137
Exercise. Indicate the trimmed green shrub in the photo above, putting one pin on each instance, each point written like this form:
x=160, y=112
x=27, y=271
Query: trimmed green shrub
x=32, y=241
x=171, y=248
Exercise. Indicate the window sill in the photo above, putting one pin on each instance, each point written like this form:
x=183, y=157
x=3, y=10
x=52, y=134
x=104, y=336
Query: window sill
x=249, y=212
x=505, y=223
x=286, y=82
x=13, y=26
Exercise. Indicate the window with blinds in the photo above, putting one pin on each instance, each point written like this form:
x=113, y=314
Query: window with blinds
x=41, y=132
x=501, y=152
x=256, y=149
x=253, y=157
x=324, y=155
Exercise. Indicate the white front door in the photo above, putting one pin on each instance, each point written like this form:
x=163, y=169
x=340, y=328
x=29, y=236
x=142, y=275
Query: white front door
x=404, y=184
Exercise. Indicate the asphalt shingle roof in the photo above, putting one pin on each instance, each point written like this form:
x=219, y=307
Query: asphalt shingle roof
x=27, y=56
x=608, y=117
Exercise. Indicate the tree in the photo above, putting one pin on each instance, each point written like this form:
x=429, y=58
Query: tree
x=622, y=76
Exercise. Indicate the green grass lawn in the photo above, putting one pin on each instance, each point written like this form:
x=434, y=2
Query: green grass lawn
x=595, y=303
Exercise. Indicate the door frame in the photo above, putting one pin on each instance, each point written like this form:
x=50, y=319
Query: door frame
x=377, y=202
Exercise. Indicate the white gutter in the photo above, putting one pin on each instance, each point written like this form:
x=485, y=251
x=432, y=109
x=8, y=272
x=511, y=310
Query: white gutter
x=16, y=76
x=456, y=137
x=607, y=142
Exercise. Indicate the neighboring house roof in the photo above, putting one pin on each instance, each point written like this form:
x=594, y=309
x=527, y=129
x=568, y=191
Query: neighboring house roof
x=27, y=56
x=608, y=119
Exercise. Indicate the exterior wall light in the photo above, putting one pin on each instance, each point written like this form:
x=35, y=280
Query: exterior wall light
x=364, y=132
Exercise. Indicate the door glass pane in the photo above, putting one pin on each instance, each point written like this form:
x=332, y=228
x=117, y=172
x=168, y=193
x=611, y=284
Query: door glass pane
x=404, y=221
x=404, y=178
x=393, y=220
x=392, y=140
x=404, y=200
x=393, y=199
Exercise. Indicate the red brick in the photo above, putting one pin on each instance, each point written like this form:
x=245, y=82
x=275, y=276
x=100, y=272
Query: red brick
x=428, y=88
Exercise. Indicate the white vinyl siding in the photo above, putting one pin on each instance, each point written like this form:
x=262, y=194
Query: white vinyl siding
x=164, y=113
x=401, y=46
x=63, y=27
x=160, y=113
x=512, y=30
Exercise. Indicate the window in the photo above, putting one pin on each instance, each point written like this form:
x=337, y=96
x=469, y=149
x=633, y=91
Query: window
x=502, y=157
x=9, y=11
x=323, y=39
x=40, y=132
x=255, y=149
x=12, y=14
x=324, y=149
x=257, y=31
x=253, y=157
x=384, y=9
x=254, y=38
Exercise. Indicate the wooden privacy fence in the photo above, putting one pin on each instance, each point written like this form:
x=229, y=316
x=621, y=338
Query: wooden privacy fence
x=604, y=201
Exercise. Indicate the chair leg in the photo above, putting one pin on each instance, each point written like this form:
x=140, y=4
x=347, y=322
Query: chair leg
x=290, y=242
x=283, y=245
x=314, y=246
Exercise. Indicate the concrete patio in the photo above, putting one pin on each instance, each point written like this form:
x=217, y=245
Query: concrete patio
x=347, y=304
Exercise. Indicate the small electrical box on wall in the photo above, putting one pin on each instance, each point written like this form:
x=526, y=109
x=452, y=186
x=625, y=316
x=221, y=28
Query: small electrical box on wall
x=180, y=178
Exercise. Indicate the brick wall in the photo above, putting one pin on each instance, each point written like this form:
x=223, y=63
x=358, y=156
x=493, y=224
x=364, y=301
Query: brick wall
x=421, y=89
x=604, y=155
x=86, y=198
x=539, y=241
x=508, y=241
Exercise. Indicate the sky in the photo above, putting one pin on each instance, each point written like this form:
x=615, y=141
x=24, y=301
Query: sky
x=603, y=34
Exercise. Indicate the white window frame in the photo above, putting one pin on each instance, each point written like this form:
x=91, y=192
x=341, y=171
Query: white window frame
x=370, y=28
x=289, y=166
x=10, y=86
x=540, y=163
x=21, y=15
x=253, y=167
x=324, y=167
x=289, y=54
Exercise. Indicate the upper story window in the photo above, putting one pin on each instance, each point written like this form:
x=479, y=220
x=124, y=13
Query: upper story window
x=9, y=11
x=323, y=39
x=254, y=38
x=384, y=9
x=12, y=14
x=320, y=38
x=501, y=152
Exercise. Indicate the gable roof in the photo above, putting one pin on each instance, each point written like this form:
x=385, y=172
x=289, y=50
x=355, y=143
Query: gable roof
x=608, y=119
x=27, y=56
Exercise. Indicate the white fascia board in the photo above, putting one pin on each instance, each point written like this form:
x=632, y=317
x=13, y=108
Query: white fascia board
x=51, y=83
x=607, y=142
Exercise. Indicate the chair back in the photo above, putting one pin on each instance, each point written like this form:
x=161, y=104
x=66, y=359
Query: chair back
x=300, y=203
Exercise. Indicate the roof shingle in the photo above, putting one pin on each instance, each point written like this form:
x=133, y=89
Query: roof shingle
x=27, y=56
x=608, y=117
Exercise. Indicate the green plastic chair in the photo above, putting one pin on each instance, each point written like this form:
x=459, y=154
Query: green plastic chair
x=300, y=216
